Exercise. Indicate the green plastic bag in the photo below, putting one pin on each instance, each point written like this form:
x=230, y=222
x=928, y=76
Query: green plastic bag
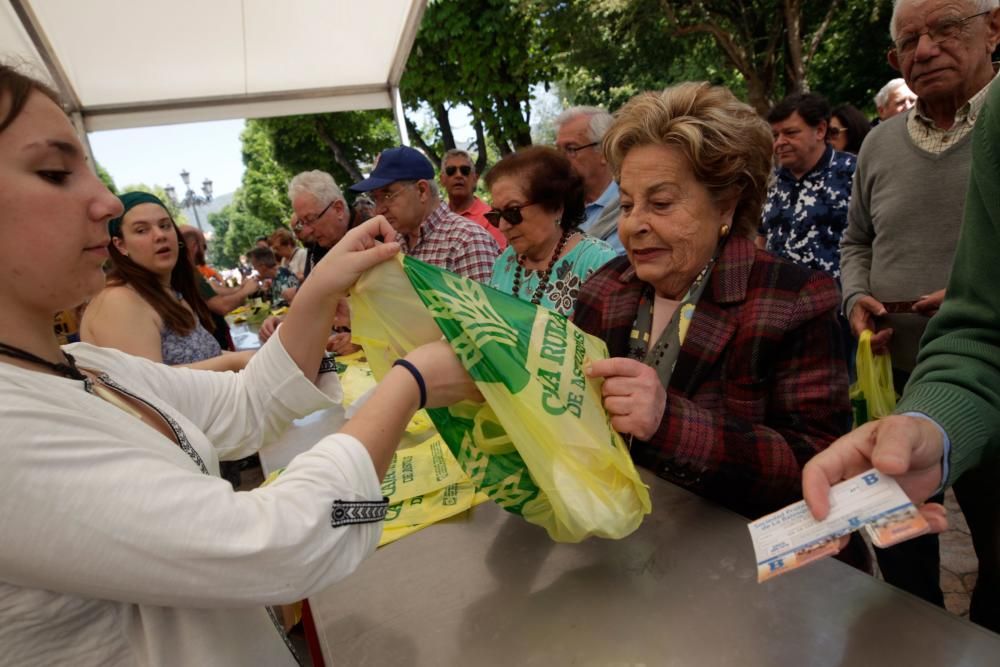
x=872, y=396
x=541, y=446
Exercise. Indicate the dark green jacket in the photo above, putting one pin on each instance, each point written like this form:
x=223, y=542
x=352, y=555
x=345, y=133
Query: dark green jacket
x=957, y=378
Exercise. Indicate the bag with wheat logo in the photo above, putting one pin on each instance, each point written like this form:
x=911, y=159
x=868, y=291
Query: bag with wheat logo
x=541, y=446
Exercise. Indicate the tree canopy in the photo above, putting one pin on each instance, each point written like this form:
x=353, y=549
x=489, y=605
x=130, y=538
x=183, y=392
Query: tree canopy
x=487, y=56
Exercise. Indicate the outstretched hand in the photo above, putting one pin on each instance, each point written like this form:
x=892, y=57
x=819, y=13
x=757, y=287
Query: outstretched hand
x=355, y=253
x=907, y=448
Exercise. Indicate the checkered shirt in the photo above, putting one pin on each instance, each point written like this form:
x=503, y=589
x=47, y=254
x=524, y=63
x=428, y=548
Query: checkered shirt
x=934, y=140
x=452, y=242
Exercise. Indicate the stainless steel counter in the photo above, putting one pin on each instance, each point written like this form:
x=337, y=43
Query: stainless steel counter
x=490, y=589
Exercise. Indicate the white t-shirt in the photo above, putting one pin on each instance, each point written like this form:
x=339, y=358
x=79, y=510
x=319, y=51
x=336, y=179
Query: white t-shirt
x=297, y=264
x=118, y=550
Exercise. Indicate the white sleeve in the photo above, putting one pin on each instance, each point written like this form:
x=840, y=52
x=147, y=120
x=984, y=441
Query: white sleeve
x=298, y=263
x=89, y=512
x=238, y=412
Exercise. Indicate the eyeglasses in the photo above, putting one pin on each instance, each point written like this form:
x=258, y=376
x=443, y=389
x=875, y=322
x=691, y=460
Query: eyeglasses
x=834, y=132
x=465, y=169
x=383, y=198
x=311, y=220
x=511, y=214
x=945, y=30
x=573, y=150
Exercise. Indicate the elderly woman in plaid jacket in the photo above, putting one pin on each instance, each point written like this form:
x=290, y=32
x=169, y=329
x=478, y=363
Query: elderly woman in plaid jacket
x=727, y=367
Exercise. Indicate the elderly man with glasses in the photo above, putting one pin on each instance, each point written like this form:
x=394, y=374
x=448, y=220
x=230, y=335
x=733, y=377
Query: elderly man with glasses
x=903, y=227
x=320, y=221
x=459, y=178
x=403, y=189
x=579, y=132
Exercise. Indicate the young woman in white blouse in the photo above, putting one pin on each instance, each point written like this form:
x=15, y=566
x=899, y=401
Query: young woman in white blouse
x=121, y=545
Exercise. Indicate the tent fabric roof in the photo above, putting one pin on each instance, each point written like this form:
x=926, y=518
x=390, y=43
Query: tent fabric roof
x=129, y=63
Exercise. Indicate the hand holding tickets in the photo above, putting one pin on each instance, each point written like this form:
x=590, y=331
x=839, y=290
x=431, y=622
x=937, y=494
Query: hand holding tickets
x=791, y=537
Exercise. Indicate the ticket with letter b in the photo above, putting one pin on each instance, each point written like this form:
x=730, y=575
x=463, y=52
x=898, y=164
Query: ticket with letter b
x=791, y=537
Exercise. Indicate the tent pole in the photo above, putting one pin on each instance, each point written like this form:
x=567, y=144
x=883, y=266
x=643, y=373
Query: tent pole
x=397, y=111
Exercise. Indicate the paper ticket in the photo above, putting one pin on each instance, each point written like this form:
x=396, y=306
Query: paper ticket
x=791, y=537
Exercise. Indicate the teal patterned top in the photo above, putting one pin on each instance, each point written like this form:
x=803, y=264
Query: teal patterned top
x=571, y=271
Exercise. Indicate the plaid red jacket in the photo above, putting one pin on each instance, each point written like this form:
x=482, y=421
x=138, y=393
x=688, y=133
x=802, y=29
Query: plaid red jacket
x=760, y=384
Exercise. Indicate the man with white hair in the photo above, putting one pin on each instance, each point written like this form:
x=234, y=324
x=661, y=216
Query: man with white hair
x=321, y=215
x=894, y=98
x=579, y=132
x=320, y=210
x=903, y=227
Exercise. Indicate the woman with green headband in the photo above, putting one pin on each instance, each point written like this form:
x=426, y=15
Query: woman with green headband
x=121, y=544
x=151, y=306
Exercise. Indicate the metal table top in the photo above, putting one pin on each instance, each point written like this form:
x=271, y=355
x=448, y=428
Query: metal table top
x=491, y=589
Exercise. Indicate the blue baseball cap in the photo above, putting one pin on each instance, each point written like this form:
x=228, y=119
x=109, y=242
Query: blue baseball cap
x=396, y=164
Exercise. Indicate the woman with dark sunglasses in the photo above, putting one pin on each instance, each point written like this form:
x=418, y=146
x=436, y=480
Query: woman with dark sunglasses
x=538, y=204
x=848, y=128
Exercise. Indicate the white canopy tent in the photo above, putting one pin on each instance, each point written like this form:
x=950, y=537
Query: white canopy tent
x=131, y=63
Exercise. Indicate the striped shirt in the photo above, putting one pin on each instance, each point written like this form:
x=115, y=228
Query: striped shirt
x=457, y=244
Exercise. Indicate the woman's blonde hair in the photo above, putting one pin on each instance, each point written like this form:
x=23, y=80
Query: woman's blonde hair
x=727, y=144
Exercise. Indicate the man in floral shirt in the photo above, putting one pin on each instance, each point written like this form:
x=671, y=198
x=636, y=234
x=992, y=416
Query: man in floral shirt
x=806, y=210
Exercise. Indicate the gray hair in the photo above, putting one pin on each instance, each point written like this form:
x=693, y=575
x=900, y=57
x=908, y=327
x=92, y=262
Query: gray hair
x=600, y=120
x=457, y=152
x=317, y=183
x=975, y=6
x=882, y=96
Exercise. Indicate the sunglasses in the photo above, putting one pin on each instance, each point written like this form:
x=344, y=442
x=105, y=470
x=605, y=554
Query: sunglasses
x=834, y=132
x=465, y=169
x=511, y=214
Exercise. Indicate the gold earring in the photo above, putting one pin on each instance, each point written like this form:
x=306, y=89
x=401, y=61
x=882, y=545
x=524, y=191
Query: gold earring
x=723, y=231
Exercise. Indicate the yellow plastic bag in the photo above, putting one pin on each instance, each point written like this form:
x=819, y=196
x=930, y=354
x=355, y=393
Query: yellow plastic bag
x=872, y=396
x=424, y=485
x=408, y=516
x=541, y=446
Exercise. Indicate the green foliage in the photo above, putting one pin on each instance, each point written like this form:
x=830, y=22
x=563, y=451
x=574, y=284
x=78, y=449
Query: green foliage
x=613, y=49
x=105, y=177
x=851, y=65
x=175, y=211
x=236, y=231
x=341, y=144
x=262, y=193
x=486, y=55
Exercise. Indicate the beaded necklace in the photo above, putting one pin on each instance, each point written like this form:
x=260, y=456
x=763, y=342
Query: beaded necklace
x=543, y=281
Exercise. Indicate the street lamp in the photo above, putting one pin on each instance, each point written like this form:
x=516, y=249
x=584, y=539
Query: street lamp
x=191, y=200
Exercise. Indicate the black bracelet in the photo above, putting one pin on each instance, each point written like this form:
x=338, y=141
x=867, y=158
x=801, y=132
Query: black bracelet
x=416, y=376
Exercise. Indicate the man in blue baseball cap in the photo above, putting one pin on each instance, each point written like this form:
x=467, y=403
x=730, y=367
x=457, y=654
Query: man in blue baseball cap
x=403, y=189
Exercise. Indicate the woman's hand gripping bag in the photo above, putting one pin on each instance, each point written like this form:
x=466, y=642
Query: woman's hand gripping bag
x=541, y=446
